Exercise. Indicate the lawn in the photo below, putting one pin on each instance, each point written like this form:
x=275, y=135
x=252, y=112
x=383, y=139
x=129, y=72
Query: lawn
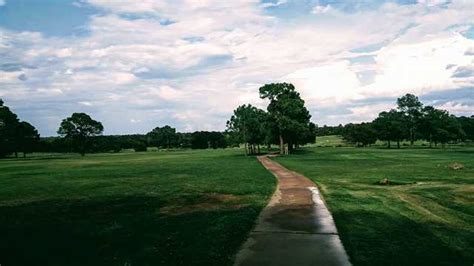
x=428, y=220
x=151, y=208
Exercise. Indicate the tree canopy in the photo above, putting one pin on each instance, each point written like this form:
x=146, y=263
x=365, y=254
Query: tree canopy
x=79, y=127
x=286, y=122
x=288, y=114
x=15, y=135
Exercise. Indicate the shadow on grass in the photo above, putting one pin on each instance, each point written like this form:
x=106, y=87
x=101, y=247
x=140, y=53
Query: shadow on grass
x=375, y=238
x=119, y=231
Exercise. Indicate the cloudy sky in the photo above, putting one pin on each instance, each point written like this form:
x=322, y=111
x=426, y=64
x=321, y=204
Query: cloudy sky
x=135, y=65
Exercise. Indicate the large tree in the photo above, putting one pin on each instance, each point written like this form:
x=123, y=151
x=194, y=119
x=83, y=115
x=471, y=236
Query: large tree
x=391, y=126
x=26, y=138
x=8, y=126
x=361, y=135
x=164, y=137
x=411, y=107
x=439, y=126
x=287, y=112
x=248, y=126
x=467, y=124
x=78, y=128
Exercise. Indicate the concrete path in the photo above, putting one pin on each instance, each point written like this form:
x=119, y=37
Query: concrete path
x=296, y=228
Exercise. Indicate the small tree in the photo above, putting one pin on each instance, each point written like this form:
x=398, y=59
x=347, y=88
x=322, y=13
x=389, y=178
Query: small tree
x=79, y=128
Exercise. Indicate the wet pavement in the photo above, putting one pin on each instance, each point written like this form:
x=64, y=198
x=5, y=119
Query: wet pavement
x=296, y=227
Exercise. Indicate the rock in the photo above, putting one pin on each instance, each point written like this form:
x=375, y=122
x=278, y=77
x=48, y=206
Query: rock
x=384, y=182
x=456, y=166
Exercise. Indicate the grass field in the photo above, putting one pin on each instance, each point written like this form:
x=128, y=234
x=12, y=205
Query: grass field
x=153, y=208
x=429, y=220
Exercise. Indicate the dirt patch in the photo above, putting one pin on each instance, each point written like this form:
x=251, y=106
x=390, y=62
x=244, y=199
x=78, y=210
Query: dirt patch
x=205, y=202
x=456, y=166
x=388, y=182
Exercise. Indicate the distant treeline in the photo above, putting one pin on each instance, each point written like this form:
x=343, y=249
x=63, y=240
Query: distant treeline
x=411, y=121
x=159, y=137
x=80, y=133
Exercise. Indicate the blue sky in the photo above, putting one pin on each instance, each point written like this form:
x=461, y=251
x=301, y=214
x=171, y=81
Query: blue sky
x=135, y=65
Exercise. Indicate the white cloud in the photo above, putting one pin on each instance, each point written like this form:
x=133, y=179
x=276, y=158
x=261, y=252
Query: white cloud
x=458, y=108
x=140, y=69
x=2, y=2
x=321, y=9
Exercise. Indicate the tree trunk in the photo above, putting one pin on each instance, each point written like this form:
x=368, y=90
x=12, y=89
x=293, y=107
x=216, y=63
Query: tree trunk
x=269, y=147
x=398, y=144
x=412, y=136
x=24, y=154
x=16, y=154
x=282, y=148
x=258, y=148
x=388, y=144
x=246, y=151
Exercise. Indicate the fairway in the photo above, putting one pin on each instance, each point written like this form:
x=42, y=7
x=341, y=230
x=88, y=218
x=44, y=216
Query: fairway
x=426, y=221
x=151, y=208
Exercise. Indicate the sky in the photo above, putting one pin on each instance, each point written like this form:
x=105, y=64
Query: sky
x=135, y=65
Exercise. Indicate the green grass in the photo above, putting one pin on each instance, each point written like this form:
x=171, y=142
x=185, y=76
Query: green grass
x=151, y=208
x=430, y=222
x=330, y=141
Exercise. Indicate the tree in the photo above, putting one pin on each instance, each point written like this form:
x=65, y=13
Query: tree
x=247, y=124
x=8, y=127
x=287, y=112
x=164, y=137
x=27, y=137
x=79, y=128
x=206, y=139
x=360, y=134
x=309, y=134
x=391, y=126
x=467, y=124
x=439, y=126
x=411, y=107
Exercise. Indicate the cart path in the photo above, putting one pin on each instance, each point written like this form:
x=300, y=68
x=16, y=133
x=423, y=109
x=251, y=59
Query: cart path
x=295, y=228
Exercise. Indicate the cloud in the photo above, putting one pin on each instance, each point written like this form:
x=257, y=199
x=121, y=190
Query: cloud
x=190, y=63
x=464, y=72
x=2, y=2
x=321, y=9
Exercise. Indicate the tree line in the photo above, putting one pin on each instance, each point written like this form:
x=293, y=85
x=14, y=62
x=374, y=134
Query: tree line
x=286, y=122
x=410, y=121
x=82, y=134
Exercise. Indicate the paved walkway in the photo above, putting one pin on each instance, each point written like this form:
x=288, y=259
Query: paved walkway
x=296, y=228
